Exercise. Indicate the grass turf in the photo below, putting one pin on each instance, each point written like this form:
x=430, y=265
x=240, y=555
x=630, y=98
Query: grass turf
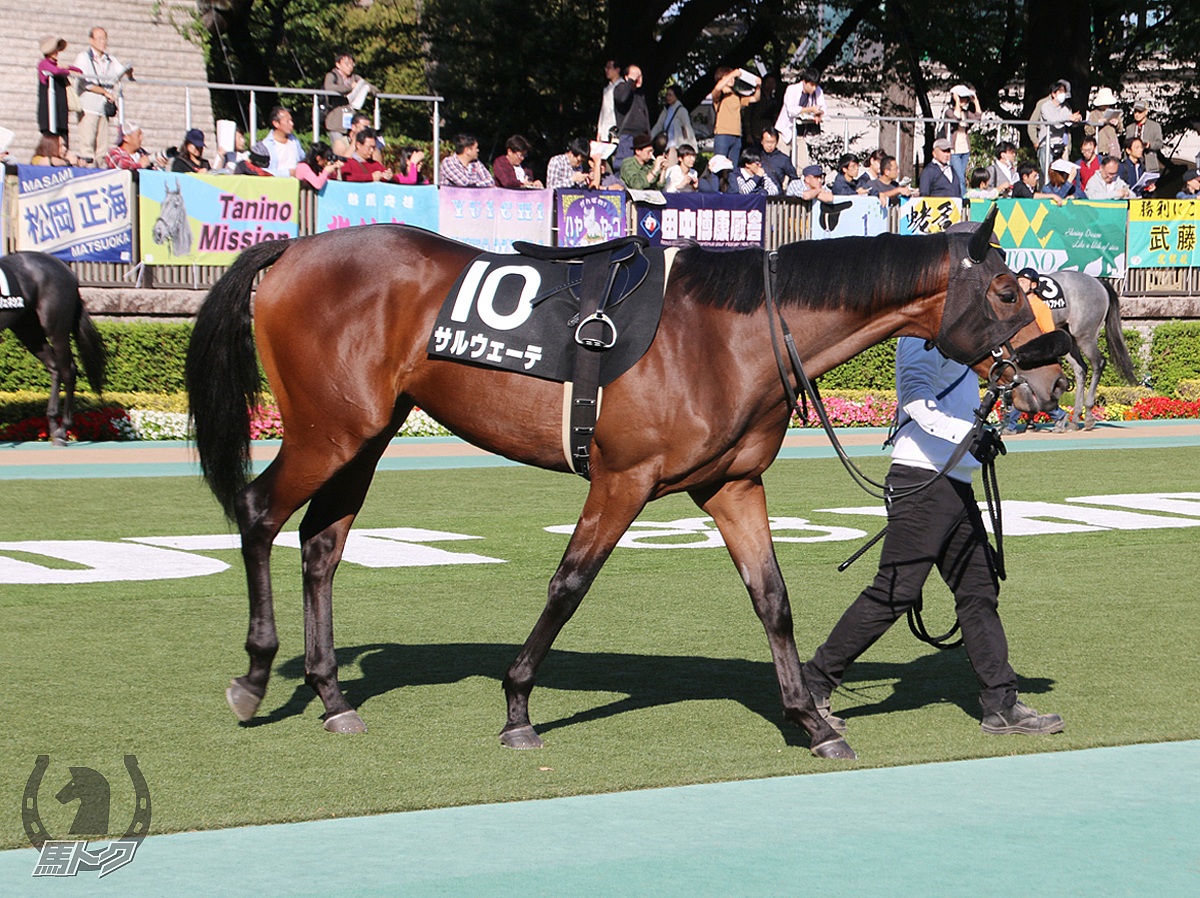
x=662, y=678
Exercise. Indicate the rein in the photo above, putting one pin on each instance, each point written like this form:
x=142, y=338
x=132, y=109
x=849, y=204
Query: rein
x=797, y=400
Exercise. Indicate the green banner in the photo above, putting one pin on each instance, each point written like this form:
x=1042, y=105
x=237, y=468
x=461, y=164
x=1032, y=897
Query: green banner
x=1081, y=235
x=1162, y=233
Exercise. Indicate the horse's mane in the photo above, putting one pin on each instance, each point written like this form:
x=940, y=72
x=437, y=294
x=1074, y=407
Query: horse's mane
x=862, y=273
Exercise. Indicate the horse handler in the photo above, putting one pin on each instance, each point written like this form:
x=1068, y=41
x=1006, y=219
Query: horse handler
x=939, y=525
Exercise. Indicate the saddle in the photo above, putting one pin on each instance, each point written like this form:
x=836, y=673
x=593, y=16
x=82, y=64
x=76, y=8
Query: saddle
x=607, y=274
x=628, y=266
x=559, y=313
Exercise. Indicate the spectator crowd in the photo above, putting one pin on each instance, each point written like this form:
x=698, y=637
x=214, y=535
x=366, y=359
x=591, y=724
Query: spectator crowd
x=760, y=133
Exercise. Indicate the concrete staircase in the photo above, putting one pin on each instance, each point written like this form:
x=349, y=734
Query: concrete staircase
x=139, y=31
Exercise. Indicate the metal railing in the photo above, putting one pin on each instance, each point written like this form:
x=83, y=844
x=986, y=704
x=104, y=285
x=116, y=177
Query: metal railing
x=314, y=93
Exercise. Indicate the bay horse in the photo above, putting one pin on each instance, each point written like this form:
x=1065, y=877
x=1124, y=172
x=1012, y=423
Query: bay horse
x=1091, y=305
x=341, y=323
x=40, y=302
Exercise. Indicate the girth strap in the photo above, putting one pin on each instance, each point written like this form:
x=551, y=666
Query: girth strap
x=594, y=334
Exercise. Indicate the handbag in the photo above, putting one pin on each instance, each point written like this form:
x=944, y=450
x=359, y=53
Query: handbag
x=110, y=108
x=73, y=103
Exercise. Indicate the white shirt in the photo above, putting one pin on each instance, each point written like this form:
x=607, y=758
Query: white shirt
x=931, y=428
x=608, y=114
x=794, y=101
x=1098, y=189
x=99, y=69
x=284, y=156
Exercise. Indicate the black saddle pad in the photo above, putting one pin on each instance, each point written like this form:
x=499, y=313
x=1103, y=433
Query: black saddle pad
x=519, y=314
x=1051, y=293
x=10, y=292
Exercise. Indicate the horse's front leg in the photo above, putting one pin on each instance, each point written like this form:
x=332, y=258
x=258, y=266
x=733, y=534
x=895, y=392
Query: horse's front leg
x=612, y=504
x=1080, y=372
x=55, y=425
x=739, y=509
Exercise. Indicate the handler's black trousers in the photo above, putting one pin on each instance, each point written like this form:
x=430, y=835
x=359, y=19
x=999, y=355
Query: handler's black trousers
x=940, y=525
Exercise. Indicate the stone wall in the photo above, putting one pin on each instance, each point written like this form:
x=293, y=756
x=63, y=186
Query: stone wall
x=139, y=31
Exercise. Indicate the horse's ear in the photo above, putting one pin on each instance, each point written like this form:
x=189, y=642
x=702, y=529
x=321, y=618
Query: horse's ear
x=982, y=238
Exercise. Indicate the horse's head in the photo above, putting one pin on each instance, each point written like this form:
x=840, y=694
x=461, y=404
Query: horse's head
x=985, y=335
x=172, y=222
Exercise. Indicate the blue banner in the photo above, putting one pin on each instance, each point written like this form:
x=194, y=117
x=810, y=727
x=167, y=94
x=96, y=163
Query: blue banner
x=342, y=204
x=714, y=220
x=77, y=214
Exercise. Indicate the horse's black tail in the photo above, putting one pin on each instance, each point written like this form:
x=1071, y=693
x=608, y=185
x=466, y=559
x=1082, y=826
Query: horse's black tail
x=222, y=374
x=91, y=350
x=1117, y=349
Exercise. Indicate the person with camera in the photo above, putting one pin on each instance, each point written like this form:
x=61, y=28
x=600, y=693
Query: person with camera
x=728, y=97
x=940, y=525
x=97, y=94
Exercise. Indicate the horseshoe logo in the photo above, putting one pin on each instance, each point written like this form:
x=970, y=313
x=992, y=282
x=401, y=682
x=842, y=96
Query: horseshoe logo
x=139, y=826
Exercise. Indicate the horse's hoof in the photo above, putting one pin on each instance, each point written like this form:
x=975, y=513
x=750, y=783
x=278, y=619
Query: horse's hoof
x=346, y=722
x=837, y=749
x=243, y=702
x=521, y=738
x=57, y=441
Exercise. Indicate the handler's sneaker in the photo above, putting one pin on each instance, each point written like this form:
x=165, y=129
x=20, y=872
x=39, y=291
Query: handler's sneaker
x=823, y=708
x=1020, y=718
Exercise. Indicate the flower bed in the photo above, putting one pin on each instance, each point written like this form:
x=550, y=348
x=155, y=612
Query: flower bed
x=266, y=424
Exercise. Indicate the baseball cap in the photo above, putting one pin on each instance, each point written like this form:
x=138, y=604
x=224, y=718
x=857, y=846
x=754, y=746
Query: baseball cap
x=814, y=171
x=719, y=163
x=942, y=143
x=195, y=137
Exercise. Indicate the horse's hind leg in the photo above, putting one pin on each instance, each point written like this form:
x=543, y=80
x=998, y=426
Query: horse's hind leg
x=1080, y=371
x=1098, y=362
x=262, y=509
x=611, y=506
x=739, y=509
x=323, y=535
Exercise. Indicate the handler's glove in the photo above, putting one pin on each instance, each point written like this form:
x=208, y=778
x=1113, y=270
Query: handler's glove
x=988, y=445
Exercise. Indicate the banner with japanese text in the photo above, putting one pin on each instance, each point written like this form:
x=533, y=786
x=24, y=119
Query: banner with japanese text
x=491, y=218
x=849, y=216
x=1082, y=235
x=342, y=204
x=209, y=219
x=714, y=220
x=77, y=214
x=586, y=217
x=929, y=214
x=1162, y=233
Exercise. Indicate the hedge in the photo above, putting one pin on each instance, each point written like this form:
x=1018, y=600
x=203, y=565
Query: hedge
x=147, y=357
x=1174, y=355
x=143, y=357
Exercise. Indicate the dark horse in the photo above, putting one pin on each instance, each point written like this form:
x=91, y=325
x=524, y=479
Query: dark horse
x=341, y=324
x=41, y=304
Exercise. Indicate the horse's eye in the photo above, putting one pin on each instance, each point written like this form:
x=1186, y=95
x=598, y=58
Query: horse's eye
x=1008, y=296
